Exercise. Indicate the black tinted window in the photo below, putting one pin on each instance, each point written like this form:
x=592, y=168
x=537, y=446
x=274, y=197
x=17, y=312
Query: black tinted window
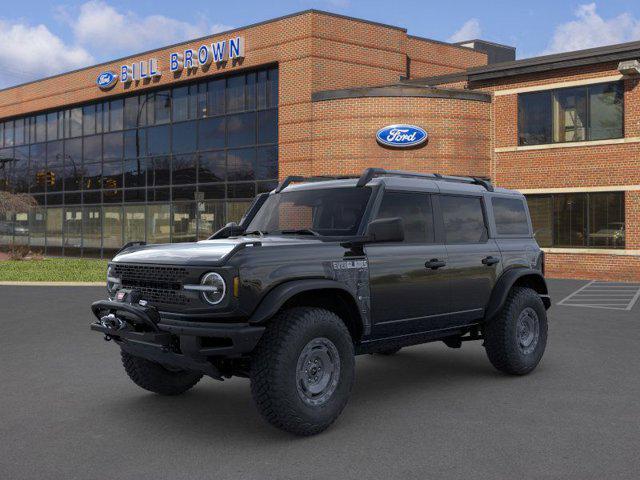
x=463, y=219
x=328, y=211
x=511, y=216
x=415, y=211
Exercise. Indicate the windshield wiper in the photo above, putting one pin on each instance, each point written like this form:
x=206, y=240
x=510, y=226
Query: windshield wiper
x=256, y=232
x=300, y=231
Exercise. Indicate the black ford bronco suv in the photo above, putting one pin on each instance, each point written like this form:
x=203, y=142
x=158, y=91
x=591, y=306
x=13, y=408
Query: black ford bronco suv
x=320, y=270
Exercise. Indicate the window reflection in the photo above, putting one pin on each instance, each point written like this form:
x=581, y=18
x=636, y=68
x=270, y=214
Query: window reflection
x=97, y=167
x=112, y=228
x=37, y=227
x=592, y=112
x=158, y=223
x=91, y=230
x=241, y=130
x=184, y=222
x=73, y=230
x=578, y=220
x=210, y=219
x=134, y=223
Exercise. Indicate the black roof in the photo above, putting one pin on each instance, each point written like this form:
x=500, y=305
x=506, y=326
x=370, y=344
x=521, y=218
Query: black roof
x=590, y=56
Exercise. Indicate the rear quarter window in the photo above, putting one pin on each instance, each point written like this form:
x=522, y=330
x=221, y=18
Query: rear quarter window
x=511, y=216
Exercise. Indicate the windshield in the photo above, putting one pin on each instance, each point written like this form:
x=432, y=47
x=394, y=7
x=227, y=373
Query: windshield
x=333, y=212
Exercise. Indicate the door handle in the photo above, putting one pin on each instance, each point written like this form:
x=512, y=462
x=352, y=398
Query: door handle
x=488, y=261
x=435, y=264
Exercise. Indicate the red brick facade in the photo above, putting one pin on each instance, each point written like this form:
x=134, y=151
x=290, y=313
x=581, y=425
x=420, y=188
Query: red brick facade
x=459, y=135
x=614, y=164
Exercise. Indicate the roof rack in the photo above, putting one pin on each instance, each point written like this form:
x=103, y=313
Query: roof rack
x=370, y=173
x=316, y=178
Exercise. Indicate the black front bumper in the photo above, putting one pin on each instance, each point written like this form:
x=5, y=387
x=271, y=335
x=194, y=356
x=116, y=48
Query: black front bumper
x=141, y=331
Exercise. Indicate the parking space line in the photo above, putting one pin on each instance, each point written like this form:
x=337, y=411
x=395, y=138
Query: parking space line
x=634, y=300
x=597, y=294
x=576, y=292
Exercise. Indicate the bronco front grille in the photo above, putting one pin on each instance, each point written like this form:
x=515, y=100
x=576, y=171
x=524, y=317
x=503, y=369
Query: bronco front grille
x=158, y=285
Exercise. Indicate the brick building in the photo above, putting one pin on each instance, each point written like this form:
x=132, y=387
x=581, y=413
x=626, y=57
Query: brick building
x=170, y=144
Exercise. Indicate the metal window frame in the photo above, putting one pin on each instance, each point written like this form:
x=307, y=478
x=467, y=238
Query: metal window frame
x=552, y=92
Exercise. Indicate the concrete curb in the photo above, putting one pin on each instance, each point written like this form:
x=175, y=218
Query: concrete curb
x=54, y=284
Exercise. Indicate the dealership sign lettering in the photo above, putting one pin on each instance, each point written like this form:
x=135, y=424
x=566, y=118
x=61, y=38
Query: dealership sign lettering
x=401, y=136
x=189, y=59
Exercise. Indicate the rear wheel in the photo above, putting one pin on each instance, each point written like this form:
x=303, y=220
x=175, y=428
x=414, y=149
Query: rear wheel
x=156, y=378
x=302, y=370
x=516, y=338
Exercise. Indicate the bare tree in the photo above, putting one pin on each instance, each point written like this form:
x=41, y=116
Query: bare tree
x=16, y=202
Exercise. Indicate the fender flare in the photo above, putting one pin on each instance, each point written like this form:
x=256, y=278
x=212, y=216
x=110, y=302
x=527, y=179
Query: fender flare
x=273, y=300
x=506, y=282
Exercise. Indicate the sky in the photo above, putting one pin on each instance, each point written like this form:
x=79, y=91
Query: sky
x=39, y=38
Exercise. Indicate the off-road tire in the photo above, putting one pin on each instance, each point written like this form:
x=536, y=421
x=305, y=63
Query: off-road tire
x=389, y=351
x=156, y=378
x=501, y=334
x=274, y=367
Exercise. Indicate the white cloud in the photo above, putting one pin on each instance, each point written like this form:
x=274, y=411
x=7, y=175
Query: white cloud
x=589, y=29
x=107, y=31
x=29, y=52
x=99, y=32
x=469, y=31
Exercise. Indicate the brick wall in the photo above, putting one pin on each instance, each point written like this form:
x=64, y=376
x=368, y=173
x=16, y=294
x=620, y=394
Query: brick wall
x=572, y=167
x=593, y=266
x=344, y=135
x=429, y=58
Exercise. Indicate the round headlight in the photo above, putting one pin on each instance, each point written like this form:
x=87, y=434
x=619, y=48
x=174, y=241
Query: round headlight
x=113, y=283
x=215, y=288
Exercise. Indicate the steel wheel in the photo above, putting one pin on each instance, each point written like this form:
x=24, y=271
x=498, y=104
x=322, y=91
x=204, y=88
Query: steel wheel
x=318, y=371
x=528, y=330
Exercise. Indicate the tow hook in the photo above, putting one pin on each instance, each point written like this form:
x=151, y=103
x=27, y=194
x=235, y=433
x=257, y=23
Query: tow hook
x=112, y=322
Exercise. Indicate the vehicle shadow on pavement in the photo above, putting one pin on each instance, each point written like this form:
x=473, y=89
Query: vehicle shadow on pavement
x=214, y=410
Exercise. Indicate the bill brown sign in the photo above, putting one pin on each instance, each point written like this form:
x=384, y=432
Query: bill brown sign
x=189, y=59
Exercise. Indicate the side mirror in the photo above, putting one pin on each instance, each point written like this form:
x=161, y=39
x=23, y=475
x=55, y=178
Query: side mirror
x=385, y=230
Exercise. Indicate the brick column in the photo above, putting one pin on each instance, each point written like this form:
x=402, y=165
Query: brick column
x=632, y=219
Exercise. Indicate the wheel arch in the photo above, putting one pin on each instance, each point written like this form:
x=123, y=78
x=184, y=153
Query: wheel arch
x=322, y=293
x=517, y=277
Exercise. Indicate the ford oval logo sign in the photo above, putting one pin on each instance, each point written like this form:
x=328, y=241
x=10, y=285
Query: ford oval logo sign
x=106, y=80
x=401, y=136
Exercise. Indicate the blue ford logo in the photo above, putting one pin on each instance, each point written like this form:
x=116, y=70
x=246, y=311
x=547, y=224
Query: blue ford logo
x=106, y=80
x=401, y=136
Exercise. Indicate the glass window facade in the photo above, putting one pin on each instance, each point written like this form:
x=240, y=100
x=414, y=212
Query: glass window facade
x=170, y=165
x=578, y=220
x=592, y=112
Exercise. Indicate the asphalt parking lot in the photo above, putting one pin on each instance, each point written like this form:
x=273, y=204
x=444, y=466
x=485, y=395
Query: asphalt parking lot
x=68, y=411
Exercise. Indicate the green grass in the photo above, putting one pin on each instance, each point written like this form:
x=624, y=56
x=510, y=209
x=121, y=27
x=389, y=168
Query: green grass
x=54, y=270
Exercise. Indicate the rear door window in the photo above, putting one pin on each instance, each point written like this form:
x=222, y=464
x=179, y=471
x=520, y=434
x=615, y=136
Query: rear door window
x=415, y=211
x=510, y=215
x=463, y=219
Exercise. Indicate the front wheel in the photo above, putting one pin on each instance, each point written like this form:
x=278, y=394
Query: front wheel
x=302, y=370
x=516, y=338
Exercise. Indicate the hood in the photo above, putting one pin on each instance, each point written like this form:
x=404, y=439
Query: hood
x=205, y=252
